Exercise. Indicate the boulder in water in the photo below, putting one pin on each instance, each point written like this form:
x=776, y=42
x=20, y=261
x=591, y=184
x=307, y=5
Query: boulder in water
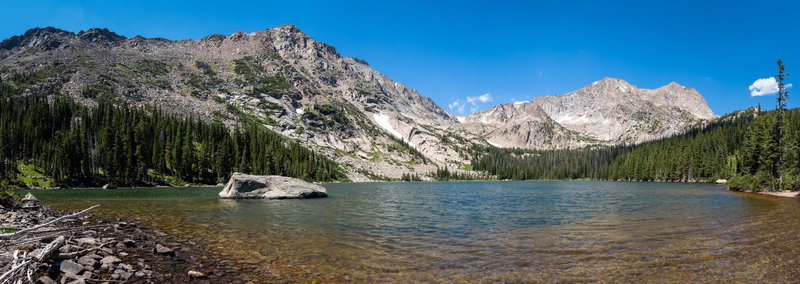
x=30, y=201
x=242, y=186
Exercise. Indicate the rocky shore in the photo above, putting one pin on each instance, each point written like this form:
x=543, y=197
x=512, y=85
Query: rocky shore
x=93, y=249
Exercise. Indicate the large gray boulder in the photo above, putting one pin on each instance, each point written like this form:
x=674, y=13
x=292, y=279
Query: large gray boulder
x=242, y=186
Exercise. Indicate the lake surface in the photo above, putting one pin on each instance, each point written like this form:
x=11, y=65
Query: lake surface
x=479, y=231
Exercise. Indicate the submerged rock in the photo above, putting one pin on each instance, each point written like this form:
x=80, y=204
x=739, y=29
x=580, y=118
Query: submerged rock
x=196, y=274
x=242, y=186
x=160, y=249
x=110, y=260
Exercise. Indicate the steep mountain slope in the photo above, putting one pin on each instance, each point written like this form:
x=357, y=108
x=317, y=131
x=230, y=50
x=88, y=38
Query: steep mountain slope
x=338, y=106
x=606, y=112
x=299, y=87
x=522, y=125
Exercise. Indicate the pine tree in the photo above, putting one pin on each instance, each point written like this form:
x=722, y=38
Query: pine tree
x=780, y=127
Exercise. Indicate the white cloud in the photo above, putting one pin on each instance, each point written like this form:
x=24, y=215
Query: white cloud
x=469, y=103
x=485, y=98
x=457, y=106
x=765, y=86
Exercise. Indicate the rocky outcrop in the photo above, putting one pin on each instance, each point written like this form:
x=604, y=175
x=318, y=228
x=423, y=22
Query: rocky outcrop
x=242, y=186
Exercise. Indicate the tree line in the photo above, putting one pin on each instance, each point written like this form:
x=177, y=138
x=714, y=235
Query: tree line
x=735, y=144
x=125, y=145
x=525, y=164
x=753, y=149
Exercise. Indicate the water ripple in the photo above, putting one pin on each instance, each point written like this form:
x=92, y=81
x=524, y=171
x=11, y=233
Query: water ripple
x=481, y=231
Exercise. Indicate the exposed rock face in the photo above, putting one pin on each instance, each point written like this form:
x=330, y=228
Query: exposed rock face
x=522, y=125
x=609, y=111
x=301, y=88
x=242, y=186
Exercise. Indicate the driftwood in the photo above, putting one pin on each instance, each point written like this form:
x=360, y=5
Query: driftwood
x=24, y=231
x=23, y=266
x=63, y=256
x=37, y=239
x=6, y=276
x=52, y=247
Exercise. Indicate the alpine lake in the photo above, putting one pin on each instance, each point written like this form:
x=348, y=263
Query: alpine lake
x=553, y=231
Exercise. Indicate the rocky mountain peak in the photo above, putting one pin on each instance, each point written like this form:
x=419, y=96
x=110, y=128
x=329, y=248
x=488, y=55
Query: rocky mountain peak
x=238, y=36
x=290, y=29
x=292, y=42
x=612, y=84
x=213, y=38
x=103, y=35
x=674, y=86
x=44, y=38
x=680, y=96
x=609, y=111
x=46, y=32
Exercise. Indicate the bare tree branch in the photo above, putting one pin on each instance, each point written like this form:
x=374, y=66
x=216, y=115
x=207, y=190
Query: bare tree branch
x=23, y=231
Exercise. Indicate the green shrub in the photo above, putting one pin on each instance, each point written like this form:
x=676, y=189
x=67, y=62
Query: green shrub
x=791, y=183
x=761, y=181
x=207, y=69
x=98, y=90
x=764, y=181
x=8, y=199
x=741, y=183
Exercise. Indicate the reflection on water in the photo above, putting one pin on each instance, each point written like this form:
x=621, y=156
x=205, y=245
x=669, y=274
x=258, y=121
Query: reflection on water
x=479, y=231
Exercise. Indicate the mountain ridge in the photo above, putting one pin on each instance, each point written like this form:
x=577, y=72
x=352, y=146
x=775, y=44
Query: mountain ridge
x=301, y=88
x=605, y=112
x=307, y=91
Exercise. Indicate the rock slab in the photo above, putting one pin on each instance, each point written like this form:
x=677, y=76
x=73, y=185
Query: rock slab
x=243, y=186
x=71, y=267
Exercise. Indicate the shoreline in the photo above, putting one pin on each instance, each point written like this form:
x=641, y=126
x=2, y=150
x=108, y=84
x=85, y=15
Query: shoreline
x=784, y=194
x=121, y=187
x=359, y=182
x=106, y=249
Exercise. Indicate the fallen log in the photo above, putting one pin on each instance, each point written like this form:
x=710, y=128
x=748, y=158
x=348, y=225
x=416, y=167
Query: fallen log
x=24, y=231
x=50, y=248
x=63, y=256
x=13, y=270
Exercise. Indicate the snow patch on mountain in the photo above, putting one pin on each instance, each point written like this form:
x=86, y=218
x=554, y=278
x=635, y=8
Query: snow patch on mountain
x=383, y=122
x=494, y=144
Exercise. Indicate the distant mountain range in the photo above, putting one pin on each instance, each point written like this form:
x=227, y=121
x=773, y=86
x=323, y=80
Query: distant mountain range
x=338, y=106
x=610, y=111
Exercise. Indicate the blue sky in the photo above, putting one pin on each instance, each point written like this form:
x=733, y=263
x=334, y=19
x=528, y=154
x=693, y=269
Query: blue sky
x=512, y=50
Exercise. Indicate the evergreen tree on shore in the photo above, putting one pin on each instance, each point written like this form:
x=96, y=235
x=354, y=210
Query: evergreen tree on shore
x=125, y=145
x=780, y=128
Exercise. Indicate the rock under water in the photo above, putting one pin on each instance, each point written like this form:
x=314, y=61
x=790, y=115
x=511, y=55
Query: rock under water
x=243, y=186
